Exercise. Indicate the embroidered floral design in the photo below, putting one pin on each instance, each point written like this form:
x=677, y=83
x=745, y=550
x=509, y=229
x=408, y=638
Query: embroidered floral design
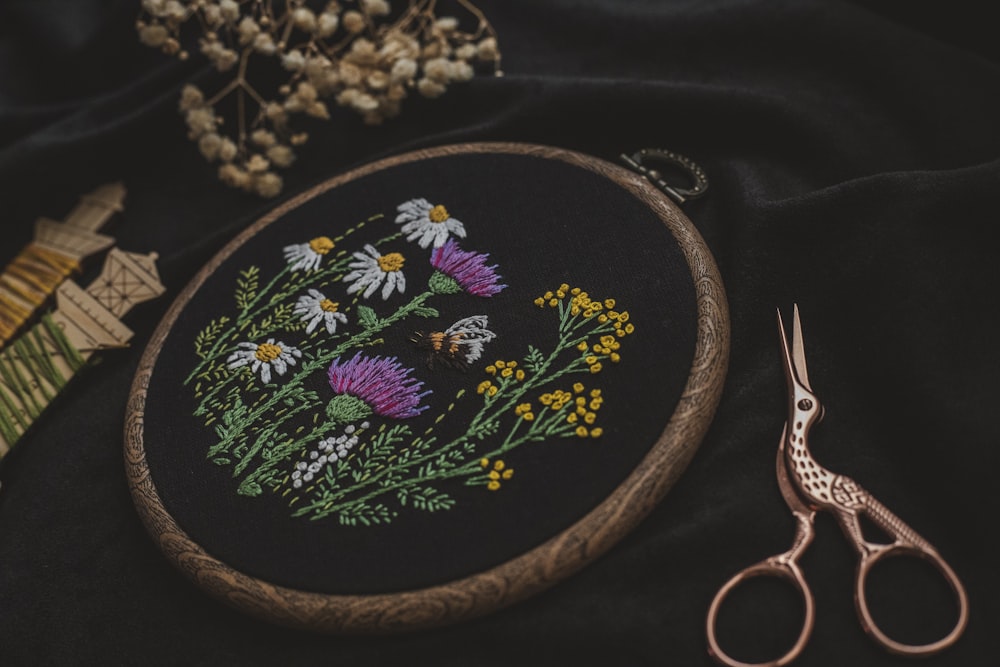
x=346, y=434
x=373, y=270
x=460, y=270
x=262, y=357
x=315, y=308
x=427, y=224
x=458, y=345
x=366, y=385
x=307, y=256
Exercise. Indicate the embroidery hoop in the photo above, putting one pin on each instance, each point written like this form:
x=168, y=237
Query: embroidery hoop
x=555, y=559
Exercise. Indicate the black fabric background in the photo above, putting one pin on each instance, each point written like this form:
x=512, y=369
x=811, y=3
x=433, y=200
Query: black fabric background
x=543, y=222
x=853, y=150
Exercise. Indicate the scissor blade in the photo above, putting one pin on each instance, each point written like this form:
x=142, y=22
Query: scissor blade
x=786, y=354
x=794, y=356
x=798, y=350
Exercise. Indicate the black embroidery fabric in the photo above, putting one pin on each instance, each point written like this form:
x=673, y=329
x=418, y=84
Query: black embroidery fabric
x=852, y=148
x=544, y=223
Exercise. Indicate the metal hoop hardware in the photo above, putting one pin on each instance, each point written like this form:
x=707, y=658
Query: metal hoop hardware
x=637, y=163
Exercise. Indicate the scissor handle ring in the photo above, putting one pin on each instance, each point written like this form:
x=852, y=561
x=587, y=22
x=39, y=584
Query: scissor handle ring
x=778, y=566
x=930, y=555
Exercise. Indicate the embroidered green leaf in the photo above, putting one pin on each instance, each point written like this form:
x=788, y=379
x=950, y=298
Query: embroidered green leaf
x=534, y=359
x=366, y=317
x=221, y=461
x=249, y=489
x=426, y=311
x=486, y=429
x=365, y=514
x=246, y=287
x=428, y=499
x=203, y=341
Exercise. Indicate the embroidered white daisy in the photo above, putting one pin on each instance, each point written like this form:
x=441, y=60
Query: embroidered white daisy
x=373, y=270
x=262, y=357
x=307, y=256
x=426, y=223
x=315, y=308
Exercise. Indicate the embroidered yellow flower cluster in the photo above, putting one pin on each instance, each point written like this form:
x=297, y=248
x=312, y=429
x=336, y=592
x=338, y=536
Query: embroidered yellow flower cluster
x=505, y=369
x=499, y=472
x=580, y=304
x=584, y=411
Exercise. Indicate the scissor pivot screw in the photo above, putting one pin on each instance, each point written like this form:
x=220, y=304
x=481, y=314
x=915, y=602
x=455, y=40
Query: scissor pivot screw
x=805, y=404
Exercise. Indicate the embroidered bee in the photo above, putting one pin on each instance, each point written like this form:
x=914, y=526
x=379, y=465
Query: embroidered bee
x=458, y=345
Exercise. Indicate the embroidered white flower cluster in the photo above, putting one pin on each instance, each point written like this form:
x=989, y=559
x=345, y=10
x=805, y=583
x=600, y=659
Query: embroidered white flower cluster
x=329, y=450
x=359, y=53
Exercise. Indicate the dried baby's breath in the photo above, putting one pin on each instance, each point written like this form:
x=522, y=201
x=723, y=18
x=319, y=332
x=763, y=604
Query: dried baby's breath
x=357, y=54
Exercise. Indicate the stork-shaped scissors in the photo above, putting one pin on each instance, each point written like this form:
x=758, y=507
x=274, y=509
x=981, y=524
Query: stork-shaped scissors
x=808, y=487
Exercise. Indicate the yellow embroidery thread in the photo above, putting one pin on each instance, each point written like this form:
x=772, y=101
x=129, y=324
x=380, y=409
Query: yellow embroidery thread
x=29, y=281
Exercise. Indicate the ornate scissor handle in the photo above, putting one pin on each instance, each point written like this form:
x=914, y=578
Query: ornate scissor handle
x=930, y=555
x=784, y=567
x=906, y=543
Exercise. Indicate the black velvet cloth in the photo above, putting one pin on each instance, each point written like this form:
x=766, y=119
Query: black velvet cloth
x=853, y=151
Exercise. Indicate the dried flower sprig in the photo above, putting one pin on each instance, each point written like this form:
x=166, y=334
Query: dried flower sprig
x=353, y=52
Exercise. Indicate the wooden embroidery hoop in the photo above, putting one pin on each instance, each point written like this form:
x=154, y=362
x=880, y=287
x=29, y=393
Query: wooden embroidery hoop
x=557, y=558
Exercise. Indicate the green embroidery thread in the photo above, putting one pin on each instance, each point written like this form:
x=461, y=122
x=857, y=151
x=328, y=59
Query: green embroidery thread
x=27, y=366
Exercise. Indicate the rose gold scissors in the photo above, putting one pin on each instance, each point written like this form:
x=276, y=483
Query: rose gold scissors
x=808, y=487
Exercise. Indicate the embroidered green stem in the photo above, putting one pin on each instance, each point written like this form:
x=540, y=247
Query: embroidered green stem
x=458, y=458
x=283, y=451
x=257, y=304
x=291, y=390
x=266, y=436
x=491, y=410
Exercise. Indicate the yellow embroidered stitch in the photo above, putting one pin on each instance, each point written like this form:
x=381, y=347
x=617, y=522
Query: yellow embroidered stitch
x=267, y=352
x=321, y=245
x=390, y=262
x=438, y=214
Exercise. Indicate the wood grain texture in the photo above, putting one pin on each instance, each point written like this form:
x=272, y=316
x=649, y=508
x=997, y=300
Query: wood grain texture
x=537, y=569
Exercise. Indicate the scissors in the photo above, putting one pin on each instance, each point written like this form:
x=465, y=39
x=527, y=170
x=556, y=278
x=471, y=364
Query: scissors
x=807, y=488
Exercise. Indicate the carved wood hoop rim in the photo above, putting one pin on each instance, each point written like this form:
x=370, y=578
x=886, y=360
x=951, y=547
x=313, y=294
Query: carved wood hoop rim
x=520, y=577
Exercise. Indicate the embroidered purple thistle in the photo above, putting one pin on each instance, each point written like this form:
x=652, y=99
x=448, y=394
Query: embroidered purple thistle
x=459, y=270
x=366, y=385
